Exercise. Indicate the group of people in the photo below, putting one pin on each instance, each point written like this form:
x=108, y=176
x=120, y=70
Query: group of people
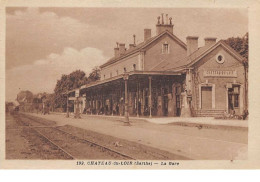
x=103, y=110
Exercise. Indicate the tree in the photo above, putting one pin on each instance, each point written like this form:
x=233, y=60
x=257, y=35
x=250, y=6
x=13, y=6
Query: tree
x=25, y=97
x=66, y=83
x=94, y=75
x=72, y=81
x=25, y=100
x=239, y=44
x=50, y=100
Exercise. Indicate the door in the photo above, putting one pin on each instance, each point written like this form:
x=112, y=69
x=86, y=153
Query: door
x=206, y=98
x=233, y=99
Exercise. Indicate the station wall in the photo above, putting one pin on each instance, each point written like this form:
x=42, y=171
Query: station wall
x=219, y=83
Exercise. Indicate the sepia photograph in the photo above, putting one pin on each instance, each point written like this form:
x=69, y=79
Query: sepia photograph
x=126, y=86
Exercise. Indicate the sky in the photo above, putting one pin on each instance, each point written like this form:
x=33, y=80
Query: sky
x=44, y=43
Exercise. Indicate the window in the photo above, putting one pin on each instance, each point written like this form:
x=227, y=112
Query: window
x=104, y=76
x=236, y=100
x=165, y=48
x=124, y=69
x=116, y=72
x=134, y=67
x=233, y=97
x=236, y=96
x=220, y=58
x=110, y=74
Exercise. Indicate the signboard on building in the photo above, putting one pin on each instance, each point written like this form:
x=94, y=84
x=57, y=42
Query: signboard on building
x=220, y=73
x=77, y=93
x=72, y=98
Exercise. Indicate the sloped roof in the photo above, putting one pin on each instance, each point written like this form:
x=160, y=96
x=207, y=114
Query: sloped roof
x=194, y=57
x=169, y=65
x=142, y=46
x=211, y=48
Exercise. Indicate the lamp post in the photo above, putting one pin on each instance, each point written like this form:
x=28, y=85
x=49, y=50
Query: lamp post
x=77, y=113
x=150, y=96
x=125, y=77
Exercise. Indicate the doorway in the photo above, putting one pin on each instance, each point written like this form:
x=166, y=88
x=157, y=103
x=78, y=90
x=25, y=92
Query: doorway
x=206, y=97
x=233, y=99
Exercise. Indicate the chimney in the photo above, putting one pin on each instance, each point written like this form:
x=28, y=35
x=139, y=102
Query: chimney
x=166, y=18
x=209, y=41
x=192, y=44
x=121, y=49
x=162, y=19
x=147, y=34
x=162, y=26
x=116, y=50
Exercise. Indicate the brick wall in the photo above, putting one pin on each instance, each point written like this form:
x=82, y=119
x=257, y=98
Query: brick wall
x=153, y=56
x=209, y=63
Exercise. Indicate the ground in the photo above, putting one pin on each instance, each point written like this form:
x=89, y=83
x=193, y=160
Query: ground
x=190, y=142
x=30, y=137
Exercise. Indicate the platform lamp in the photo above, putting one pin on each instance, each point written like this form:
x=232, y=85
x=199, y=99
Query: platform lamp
x=77, y=113
x=126, y=122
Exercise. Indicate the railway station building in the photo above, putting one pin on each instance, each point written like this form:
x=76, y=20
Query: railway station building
x=166, y=77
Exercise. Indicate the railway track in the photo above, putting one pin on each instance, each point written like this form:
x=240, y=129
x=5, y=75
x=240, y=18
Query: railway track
x=52, y=142
x=96, y=144
x=34, y=128
x=53, y=130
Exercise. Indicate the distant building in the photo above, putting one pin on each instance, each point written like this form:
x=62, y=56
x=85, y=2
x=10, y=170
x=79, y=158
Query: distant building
x=163, y=76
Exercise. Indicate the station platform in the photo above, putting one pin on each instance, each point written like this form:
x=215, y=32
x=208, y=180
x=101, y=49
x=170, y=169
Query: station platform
x=207, y=121
x=192, y=142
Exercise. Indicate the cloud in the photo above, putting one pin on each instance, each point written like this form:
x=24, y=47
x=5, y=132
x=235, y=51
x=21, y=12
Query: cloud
x=32, y=34
x=43, y=74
